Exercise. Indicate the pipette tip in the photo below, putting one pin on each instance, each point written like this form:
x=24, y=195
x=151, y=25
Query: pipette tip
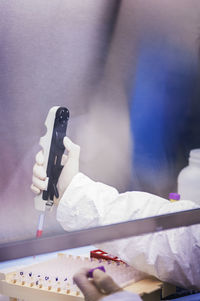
x=39, y=233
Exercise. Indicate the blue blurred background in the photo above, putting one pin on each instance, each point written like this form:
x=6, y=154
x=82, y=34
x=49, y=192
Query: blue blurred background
x=164, y=113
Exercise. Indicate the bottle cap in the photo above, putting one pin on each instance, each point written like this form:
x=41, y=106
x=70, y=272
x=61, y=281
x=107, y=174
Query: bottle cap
x=194, y=155
x=90, y=273
x=174, y=196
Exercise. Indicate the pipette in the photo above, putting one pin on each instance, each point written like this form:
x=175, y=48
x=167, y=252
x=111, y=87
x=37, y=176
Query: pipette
x=53, y=149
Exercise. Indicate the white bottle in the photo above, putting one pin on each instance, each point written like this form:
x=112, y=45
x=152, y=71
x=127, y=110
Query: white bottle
x=189, y=178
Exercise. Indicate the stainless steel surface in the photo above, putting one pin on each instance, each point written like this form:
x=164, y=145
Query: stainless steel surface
x=86, y=237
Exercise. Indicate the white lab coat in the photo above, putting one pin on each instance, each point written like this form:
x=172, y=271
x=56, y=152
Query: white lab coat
x=172, y=256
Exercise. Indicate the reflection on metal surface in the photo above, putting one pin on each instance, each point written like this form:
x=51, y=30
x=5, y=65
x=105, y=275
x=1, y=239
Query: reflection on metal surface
x=99, y=234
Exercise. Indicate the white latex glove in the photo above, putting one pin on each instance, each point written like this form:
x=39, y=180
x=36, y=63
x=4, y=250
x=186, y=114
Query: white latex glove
x=70, y=169
x=96, y=288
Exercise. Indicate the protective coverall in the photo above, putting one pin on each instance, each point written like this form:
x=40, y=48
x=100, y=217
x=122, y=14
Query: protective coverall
x=172, y=255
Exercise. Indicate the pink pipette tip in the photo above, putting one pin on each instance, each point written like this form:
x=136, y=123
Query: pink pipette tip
x=39, y=233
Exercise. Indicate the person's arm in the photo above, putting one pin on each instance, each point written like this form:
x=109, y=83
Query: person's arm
x=172, y=256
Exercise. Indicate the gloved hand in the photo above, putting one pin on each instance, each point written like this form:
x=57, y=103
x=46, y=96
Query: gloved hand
x=70, y=169
x=101, y=286
x=96, y=288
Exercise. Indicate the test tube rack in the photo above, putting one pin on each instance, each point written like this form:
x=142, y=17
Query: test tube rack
x=53, y=279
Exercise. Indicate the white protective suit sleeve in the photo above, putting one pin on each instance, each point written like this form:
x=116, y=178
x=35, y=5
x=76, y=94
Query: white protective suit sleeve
x=172, y=256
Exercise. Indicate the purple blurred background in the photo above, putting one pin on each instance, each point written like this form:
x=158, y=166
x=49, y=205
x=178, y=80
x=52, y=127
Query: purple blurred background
x=82, y=55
